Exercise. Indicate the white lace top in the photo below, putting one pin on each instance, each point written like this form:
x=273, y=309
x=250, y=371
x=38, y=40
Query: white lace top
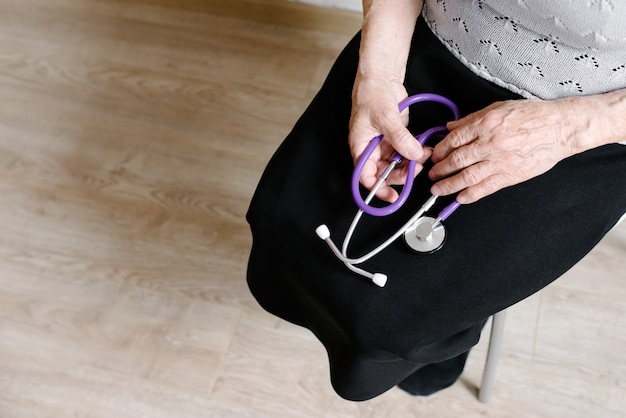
x=547, y=49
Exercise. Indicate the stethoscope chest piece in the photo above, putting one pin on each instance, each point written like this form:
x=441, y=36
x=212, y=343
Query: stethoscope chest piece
x=421, y=237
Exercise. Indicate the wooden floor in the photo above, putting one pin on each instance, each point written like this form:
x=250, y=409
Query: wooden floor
x=132, y=136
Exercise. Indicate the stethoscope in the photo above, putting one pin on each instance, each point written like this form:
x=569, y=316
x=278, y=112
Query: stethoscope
x=422, y=234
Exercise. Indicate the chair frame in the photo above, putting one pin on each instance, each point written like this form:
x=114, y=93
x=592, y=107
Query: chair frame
x=495, y=345
x=493, y=354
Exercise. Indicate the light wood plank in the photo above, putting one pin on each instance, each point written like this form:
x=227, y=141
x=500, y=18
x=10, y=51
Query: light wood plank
x=132, y=136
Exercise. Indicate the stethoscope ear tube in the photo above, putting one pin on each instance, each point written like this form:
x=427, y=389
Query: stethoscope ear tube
x=379, y=279
x=323, y=232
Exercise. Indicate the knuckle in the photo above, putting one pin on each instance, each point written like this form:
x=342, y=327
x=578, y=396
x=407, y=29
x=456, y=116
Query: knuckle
x=453, y=139
x=500, y=142
x=389, y=117
x=458, y=159
x=470, y=176
x=495, y=183
x=471, y=195
x=491, y=186
x=492, y=119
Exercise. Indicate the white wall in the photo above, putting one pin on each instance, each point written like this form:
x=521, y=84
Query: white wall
x=340, y=4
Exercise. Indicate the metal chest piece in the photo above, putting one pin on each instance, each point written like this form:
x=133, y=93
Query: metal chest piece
x=422, y=238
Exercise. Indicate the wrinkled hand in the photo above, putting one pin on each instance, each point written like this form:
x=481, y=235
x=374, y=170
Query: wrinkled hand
x=502, y=145
x=375, y=112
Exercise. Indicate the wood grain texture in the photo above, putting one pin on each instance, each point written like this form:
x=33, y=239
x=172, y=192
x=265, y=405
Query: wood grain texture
x=132, y=136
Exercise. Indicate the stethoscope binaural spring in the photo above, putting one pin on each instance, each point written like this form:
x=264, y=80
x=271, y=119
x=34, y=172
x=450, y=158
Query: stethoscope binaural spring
x=422, y=234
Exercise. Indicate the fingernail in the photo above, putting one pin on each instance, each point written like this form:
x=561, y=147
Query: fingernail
x=462, y=199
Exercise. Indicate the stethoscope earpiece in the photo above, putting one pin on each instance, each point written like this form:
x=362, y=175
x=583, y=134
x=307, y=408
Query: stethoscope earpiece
x=323, y=232
x=379, y=279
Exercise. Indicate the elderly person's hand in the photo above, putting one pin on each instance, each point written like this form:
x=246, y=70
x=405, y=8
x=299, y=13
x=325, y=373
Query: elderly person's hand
x=502, y=145
x=513, y=141
x=378, y=88
x=374, y=112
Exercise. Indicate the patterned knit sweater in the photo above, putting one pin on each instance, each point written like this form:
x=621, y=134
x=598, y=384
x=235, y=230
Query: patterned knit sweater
x=546, y=49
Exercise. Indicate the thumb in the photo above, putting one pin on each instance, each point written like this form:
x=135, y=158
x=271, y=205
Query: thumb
x=404, y=142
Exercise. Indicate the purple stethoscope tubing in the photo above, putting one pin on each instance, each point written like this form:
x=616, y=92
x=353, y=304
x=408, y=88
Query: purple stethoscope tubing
x=408, y=185
x=416, y=242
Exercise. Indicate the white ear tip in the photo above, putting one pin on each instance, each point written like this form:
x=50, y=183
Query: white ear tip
x=323, y=232
x=379, y=279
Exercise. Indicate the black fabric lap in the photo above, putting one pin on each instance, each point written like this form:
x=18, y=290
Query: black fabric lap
x=498, y=251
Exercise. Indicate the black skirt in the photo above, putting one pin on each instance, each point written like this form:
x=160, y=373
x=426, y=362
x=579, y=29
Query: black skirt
x=499, y=250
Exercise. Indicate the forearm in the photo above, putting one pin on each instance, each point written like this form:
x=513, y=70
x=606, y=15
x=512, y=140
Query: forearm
x=386, y=37
x=601, y=119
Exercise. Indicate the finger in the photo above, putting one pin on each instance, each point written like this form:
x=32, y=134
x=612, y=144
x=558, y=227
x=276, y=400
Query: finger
x=406, y=145
x=401, y=139
x=399, y=175
x=387, y=193
x=457, y=161
x=428, y=152
x=358, y=146
x=469, y=177
x=457, y=138
x=370, y=175
x=486, y=187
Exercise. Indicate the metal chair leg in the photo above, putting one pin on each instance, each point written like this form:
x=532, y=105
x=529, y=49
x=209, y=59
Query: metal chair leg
x=493, y=353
